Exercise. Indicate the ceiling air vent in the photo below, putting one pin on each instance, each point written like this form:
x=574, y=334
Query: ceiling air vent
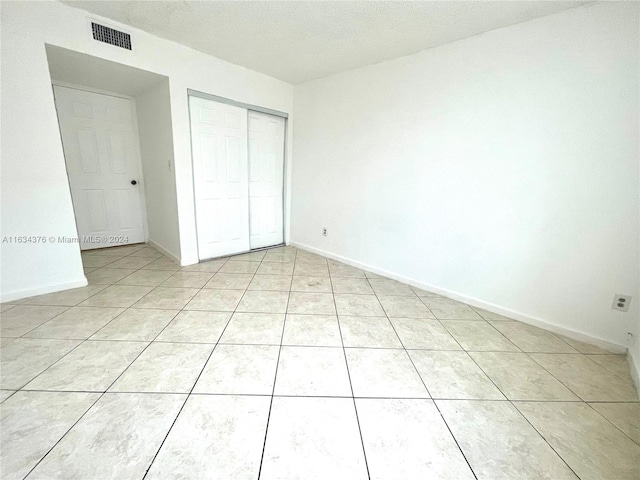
x=111, y=36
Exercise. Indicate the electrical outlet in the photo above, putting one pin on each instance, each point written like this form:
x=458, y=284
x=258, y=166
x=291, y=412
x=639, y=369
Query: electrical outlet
x=621, y=302
x=324, y=231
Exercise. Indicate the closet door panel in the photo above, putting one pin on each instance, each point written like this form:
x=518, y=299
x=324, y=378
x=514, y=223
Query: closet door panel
x=266, y=179
x=220, y=168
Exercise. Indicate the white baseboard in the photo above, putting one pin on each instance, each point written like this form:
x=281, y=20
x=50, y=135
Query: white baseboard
x=164, y=251
x=32, y=292
x=633, y=367
x=475, y=302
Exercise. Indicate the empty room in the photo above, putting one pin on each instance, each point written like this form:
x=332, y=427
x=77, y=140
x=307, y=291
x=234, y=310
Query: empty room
x=319, y=240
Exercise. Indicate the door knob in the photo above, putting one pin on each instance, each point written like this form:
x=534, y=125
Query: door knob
x=133, y=182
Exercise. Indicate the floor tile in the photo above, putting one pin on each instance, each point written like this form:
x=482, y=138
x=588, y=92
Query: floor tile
x=408, y=439
x=240, y=267
x=531, y=339
x=590, y=445
x=625, y=416
x=351, y=285
x=166, y=297
x=311, y=284
x=281, y=257
x=131, y=262
x=520, y=378
x=254, y=328
x=249, y=257
x=312, y=330
x=24, y=318
x=499, y=443
x=409, y=307
x=5, y=307
x=279, y=283
x=487, y=315
x=583, y=347
x=312, y=371
x=383, y=373
x=146, y=252
x=478, y=336
x=453, y=375
x=263, y=302
x=117, y=438
x=6, y=340
x=164, y=368
x=358, y=305
x=424, y=293
x=117, y=296
x=107, y=276
x=162, y=263
x=424, y=334
x=341, y=270
x=122, y=250
x=240, y=369
x=311, y=303
x=140, y=324
x=368, y=332
x=4, y=394
x=447, y=309
x=146, y=278
x=67, y=298
x=590, y=381
x=195, y=327
x=215, y=300
x=230, y=281
x=210, y=266
x=32, y=422
x=306, y=257
x=275, y=268
x=616, y=364
x=24, y=358
x=313, y=438
x=185, y=279
x=311, y=270
x=214, y=437
x=97, y=261
x=92, y=366
x=385, y=286
x=76, y=323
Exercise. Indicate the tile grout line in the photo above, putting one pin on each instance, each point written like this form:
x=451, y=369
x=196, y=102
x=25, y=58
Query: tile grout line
x=344, y=353
x=275, y=377
x=425, y=385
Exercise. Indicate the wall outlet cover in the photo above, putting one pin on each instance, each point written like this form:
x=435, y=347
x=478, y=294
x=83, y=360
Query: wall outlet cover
x=621, y=302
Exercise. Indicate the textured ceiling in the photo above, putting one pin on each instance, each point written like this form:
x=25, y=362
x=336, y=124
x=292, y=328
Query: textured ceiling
x=301, y=41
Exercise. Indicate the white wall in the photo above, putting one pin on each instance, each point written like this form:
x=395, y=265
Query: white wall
x=35, y=193
x=500, y=169
x=156, y=146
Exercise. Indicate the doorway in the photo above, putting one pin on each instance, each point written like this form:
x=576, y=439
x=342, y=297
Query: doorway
x=99, y=138
x=238, y=168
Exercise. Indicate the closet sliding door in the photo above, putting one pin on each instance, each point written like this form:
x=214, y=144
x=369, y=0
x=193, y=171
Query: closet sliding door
x=220, y=174
x=238, y=173
x=266, y=179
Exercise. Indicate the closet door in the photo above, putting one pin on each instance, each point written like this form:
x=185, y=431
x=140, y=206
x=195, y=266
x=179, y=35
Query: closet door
x=266, y=179
x=219, y=149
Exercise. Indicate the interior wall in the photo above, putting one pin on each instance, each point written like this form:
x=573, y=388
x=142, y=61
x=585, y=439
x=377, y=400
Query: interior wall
x=35, y=193
x=500, y=169
x=156, y=145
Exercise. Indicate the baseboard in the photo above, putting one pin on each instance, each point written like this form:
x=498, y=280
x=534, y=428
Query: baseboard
x=633, y=368
x=164, y=251
x=32, y=292
x=474, y=302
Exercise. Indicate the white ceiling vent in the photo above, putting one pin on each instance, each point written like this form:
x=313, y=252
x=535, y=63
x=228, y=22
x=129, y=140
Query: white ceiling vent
x=111, y=36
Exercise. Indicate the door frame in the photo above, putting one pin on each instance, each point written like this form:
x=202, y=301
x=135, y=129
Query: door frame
x=285, y=163
x=137, y=149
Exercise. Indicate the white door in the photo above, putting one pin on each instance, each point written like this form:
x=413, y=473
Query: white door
x=266, y=177
x=101, y=152
x=219, y=149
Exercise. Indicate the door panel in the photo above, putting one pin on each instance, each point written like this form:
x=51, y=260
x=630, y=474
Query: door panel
x=219, y=144
x=266, y=160
x=98, y=137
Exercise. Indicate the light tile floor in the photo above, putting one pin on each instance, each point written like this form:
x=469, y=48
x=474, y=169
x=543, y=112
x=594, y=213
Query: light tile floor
x=283, y=364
